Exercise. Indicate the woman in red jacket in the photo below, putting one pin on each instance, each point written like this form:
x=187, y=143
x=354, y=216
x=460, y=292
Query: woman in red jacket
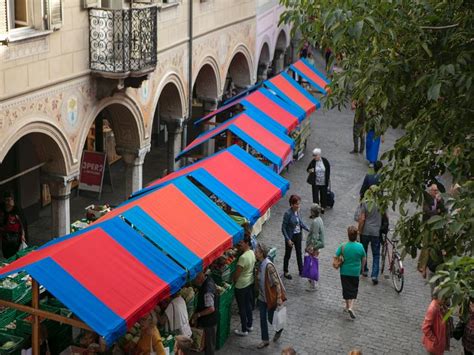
x=436, y=332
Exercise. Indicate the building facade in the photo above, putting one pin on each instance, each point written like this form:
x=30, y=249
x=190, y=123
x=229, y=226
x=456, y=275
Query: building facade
x=144, y=68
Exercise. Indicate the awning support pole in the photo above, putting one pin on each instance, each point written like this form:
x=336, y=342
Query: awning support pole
x=229, y=138
x=35, y=340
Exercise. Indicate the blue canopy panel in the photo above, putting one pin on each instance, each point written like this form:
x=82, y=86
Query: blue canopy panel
x=161, y=237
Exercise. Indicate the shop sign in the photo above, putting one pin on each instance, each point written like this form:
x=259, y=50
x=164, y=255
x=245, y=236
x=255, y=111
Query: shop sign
x=92, y=171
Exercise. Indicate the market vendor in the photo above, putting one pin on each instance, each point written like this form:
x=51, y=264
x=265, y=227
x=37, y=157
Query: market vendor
x=150, y=338
x=175, y=315
x=206, y=315
x=12, y=226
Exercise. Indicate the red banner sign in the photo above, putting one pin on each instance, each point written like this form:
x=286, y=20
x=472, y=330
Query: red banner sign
x=92, y=171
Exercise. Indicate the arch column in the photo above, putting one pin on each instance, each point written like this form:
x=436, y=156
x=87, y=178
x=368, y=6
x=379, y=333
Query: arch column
x=279, y=61
x=174, y=126
x=133, y=159
x=209, y=105
x=60, y=190
x=262, y=72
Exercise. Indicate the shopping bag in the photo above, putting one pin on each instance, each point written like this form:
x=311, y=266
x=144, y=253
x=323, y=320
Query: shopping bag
x=311, y=267
x=23, y=246
x=199, y=340
x=279, y=318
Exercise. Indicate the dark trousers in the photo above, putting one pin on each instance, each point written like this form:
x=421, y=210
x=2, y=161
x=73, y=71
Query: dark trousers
x=210, y=340
x=320, y=195
x=10, y=244
x=374, y=242
x=244, y=297
x=265, y=317
x=296, y=239
x=358, y=135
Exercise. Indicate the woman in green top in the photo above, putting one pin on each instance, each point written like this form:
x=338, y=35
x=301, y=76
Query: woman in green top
x=354, y=260
x=315, y=240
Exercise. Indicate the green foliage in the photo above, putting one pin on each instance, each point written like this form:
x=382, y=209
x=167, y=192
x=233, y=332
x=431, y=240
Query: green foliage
x=410, y=63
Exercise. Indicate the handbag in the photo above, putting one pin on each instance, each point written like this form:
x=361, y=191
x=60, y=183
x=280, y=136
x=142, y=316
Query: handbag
x=311, y=178
x=458, y=330
x=310, y=268
x=337, y=261
x=279, y=318
x=271, y=295
x=199, y=340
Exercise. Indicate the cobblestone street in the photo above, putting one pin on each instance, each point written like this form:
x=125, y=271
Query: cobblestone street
x=387, y=322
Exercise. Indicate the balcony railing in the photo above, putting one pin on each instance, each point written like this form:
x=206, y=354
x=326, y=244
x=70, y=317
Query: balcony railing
x=122, y=42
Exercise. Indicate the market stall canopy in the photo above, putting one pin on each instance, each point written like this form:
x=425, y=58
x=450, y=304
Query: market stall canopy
x=183, y=222
x=290, y=91
x=274, y=145
x=108, y=275
x=284, y=113
x=310, y=73
x=237, y=178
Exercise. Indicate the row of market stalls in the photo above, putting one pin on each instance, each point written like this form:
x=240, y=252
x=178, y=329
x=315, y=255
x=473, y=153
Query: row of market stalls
x=113, y=272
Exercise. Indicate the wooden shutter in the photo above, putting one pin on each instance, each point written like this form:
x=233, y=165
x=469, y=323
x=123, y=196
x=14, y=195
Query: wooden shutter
x=3, y=19
x=54, y=13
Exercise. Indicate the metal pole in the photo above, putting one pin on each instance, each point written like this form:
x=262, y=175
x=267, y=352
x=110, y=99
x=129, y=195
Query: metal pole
x=35, y=339
x=184, y=136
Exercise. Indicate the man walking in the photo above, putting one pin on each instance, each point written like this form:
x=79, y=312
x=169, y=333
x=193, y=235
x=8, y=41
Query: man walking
x=358, y=128
x=371, y=179
x=206, y=315
x=370, y=222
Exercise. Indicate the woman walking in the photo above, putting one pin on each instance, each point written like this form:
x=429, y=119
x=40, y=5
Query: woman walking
x=271, y=293
x=436, y=334
x=315, y=240
x=354, y=257
x=292, y=228
x=244, y=283
x=319, y=171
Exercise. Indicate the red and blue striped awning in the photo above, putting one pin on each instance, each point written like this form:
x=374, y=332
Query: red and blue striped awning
x=237, y=178
x=310, y=73
x=111, y=273
x=264, y=100
x=108, y=275
x=290, y=91
x=274, y=145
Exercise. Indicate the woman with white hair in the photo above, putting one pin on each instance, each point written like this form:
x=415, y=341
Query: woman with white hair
x=319, y=171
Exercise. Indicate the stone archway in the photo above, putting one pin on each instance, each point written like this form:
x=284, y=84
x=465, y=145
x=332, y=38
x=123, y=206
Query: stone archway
x=279, y=56
x=36, y=157
x=167, y=127
x=263, y=62
x=206, y=93
x=238, y=76
x=121, y=115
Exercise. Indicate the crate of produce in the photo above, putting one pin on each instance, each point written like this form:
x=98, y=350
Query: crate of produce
x=272, y=254
x=225, y=303
x=23, y=322
x=94, y=212
x=25, y=251
x=168, y=343
x=224, y=267
x=11, y=290
x=10, y=344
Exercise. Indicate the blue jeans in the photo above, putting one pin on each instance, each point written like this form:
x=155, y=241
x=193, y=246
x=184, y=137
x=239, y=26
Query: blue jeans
x=244, y=297
x=264, y=313
x=375, y=246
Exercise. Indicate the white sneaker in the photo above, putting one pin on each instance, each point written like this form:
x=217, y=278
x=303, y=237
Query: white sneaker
x=250, y=329
x=240, y=333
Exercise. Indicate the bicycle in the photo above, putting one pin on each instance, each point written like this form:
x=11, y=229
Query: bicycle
x=394, y=262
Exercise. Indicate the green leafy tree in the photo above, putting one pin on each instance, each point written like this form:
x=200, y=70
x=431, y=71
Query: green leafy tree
x=411, y=63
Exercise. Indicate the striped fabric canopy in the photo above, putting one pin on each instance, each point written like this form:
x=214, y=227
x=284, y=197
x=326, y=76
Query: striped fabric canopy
x=108, y=275
x=293, y=93
x=310, y=73
x=235, y=177
x=274, y=145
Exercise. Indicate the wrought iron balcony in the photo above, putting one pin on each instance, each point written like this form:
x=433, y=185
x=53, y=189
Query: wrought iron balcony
x=122, y=43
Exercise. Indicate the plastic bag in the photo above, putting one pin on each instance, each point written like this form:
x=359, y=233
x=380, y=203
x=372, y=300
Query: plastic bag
x=311, y=267
x=279, y=318
x=23, y=245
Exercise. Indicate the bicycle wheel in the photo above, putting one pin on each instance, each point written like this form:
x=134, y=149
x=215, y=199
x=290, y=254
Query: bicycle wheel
x=384, y=256
x=397, y=273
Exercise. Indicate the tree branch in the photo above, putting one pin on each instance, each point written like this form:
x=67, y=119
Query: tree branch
x=439, y=27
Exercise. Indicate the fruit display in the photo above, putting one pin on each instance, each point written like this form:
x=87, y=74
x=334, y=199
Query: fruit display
x=94, y=212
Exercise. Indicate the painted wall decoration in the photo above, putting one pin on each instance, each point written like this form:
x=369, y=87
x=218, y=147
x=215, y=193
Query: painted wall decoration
x=72, y=110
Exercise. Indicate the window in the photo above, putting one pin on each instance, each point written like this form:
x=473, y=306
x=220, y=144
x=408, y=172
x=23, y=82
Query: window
x=20, y=19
